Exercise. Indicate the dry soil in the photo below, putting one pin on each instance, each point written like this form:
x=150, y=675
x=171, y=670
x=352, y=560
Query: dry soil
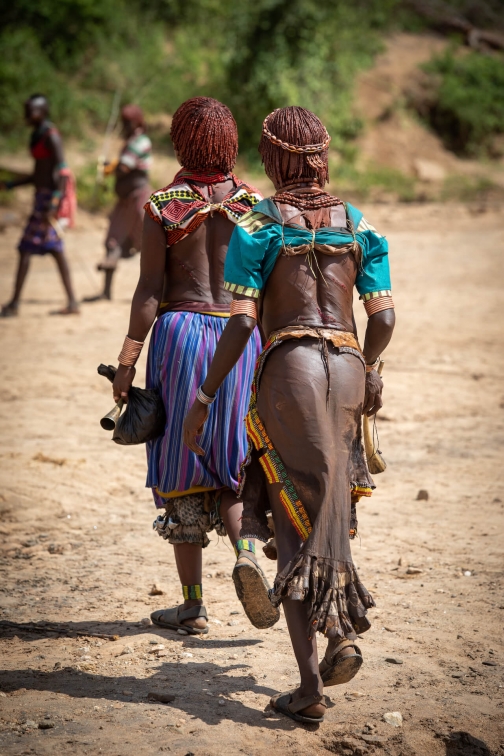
x=79, y=556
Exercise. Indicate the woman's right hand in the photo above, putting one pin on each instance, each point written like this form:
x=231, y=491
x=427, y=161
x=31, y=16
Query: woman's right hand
x=124, y=377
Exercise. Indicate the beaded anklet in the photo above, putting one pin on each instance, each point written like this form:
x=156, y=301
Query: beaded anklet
x=243, y=544
x=192, y=591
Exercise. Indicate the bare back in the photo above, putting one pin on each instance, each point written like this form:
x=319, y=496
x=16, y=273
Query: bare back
x=195, y=265
x=320, y=295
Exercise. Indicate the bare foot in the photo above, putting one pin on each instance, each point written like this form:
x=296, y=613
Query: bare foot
x=98, y=298
x=9, y=310
x=71, y=309
x=199, y=623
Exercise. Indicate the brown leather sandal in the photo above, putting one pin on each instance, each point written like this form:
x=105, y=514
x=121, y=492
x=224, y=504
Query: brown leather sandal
x=339, y=669
x=284, y=704
x=174, y=618
x=252, y=589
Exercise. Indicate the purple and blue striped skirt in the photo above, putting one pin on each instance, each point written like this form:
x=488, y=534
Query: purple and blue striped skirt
x=181, y=349
x=39, y=237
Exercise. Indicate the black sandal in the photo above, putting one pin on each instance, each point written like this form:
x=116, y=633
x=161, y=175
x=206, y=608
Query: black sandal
x=340, y=669
x=284, y=704
x=174, y=617
x=253, y=590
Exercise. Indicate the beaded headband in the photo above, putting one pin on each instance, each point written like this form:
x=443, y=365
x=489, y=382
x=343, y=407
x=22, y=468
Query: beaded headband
x=306, y=149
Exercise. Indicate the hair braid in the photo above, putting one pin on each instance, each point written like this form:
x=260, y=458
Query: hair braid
x=293, y=147
x=205, y=135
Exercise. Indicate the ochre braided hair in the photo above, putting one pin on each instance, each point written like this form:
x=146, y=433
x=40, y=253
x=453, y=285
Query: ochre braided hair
x=293, y=147
x=134, y=114
x=205, y=135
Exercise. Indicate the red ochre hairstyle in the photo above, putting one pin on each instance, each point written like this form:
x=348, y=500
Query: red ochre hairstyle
x=293, y=147
x=134, y=114
x=205, y=135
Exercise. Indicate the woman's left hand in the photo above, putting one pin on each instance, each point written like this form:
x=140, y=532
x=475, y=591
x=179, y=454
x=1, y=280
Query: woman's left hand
x=193, y=426
x=373, y=396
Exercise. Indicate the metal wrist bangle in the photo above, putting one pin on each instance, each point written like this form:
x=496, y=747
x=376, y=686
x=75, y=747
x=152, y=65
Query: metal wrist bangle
x=373, y=365
x=203, y=398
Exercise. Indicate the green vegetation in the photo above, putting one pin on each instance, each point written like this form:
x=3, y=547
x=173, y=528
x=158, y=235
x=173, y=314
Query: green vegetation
x=92, y=195
x=469, y=189
x=254, y=57
x=466, y=102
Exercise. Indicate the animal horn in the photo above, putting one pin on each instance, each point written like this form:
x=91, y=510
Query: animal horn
x=375, y=461
x=110, y=420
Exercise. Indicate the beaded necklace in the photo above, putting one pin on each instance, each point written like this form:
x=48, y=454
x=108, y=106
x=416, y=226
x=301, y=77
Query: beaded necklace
x=314, y=200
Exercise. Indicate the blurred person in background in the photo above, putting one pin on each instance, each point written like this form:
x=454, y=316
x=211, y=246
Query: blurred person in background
x=293, y=262
x=131, y=171
x=186, y=232
x=53, y=206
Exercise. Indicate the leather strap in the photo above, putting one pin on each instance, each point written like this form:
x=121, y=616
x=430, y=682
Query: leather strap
x=303, y=703
x=248, y=555
x=194, y=612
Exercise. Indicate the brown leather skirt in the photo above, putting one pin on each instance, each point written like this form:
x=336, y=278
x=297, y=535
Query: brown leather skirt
x=305, y=459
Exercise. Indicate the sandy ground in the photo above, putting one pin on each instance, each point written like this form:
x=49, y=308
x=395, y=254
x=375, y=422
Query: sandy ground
x=78, y=548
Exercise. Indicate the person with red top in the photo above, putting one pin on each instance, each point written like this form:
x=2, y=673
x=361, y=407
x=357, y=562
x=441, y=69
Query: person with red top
x=53, y=194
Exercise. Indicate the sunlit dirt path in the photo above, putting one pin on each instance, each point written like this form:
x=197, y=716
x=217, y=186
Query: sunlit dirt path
x=78, y=548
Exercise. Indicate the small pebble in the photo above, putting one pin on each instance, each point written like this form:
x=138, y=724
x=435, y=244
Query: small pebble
x=234, y=612
x=422, y=495
x=156, y=590
x=30, y=723
x=489, y=663
x=154, y=643
x=393, y=660
x=233, y=623
x=413, y=571
x=182, y=632
x=467, y=573
x=158, y=647
x=45, y=725
x=393, y=718
x=187, y=654
x=458, y=676
x=2, y=694
x=126, y=650
x=222, y=702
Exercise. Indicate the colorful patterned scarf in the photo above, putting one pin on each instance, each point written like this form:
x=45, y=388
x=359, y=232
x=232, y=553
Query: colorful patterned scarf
x=181, y=208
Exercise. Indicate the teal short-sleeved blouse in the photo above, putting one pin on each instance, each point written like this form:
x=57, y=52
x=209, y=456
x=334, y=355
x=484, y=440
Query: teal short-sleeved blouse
x=260, y=235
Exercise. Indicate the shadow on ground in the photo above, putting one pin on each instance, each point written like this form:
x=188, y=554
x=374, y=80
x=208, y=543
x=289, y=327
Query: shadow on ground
x=191, y=690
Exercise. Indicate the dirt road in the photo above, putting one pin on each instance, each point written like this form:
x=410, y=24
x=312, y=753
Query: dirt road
x=78, y=549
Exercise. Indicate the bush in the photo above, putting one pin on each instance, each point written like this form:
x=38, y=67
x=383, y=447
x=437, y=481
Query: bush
x=300, y=52
x=254, y=57
x=466, y=105
x=91, y=195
